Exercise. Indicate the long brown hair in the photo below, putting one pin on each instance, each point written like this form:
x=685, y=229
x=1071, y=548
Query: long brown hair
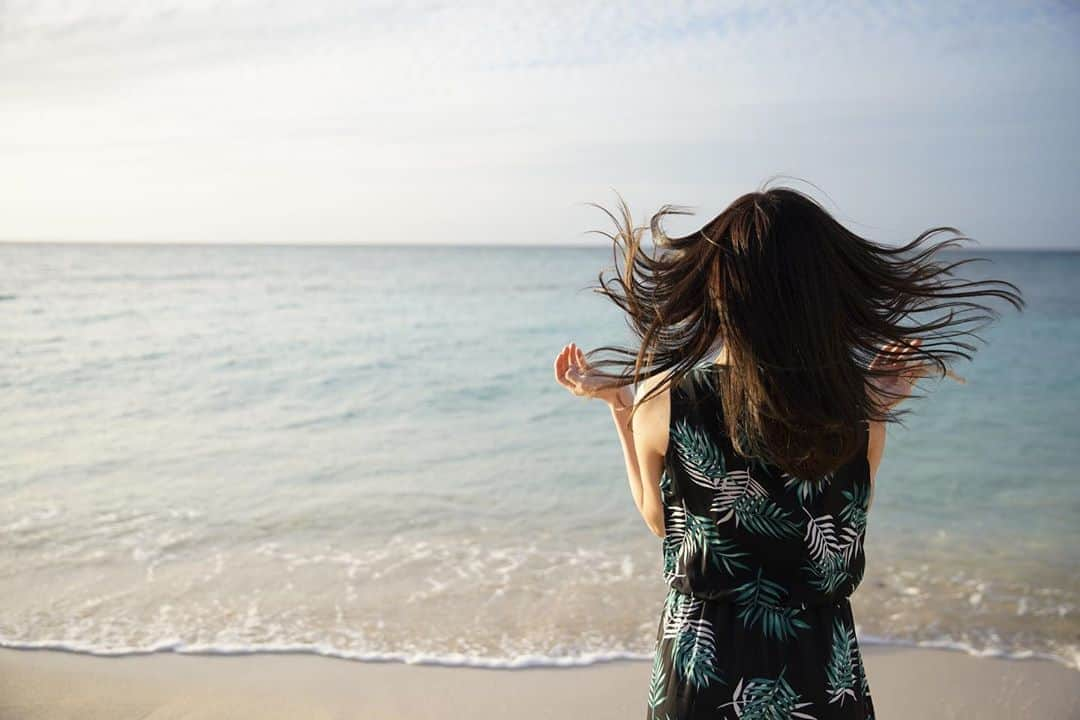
x=802, y=305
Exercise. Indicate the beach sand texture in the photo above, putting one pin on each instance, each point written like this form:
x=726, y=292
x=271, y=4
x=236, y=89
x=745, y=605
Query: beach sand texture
x=906, y=682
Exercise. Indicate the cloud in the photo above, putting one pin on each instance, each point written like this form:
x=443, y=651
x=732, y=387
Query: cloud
x=244, y=120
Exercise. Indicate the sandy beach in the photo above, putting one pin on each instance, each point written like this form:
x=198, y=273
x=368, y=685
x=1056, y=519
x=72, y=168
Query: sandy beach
x=906, y=682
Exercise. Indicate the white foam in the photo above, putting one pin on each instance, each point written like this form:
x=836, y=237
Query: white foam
x=417, y=658
x=987, y=652
x=172, y=645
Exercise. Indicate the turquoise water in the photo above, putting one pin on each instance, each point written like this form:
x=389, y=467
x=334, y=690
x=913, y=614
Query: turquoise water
x=361, y=451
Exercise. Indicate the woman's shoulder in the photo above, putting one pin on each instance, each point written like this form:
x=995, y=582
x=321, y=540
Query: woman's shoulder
x=649, y=384
x=652, y=414
x=698, y=380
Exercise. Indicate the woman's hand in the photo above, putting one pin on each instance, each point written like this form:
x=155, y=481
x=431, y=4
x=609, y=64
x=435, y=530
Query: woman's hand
x=899, y=362
x=575, y=374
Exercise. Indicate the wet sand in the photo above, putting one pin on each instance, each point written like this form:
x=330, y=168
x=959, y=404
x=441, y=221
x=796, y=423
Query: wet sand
x=906, y=683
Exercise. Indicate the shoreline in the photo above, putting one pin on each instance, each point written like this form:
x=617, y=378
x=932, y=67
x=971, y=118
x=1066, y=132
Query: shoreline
x=48, y=684
x=467, y=662
x=484, y=662
x=489, y=662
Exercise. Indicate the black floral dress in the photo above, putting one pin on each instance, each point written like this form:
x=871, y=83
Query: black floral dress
x=759, y=564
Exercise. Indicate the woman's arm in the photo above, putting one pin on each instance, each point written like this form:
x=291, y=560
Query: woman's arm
x=889, y=391
x=643, y=463
x=643, y=447
x=650, y=446
x=620, y=413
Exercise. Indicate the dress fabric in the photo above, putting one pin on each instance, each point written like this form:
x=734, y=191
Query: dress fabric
x=759, y=566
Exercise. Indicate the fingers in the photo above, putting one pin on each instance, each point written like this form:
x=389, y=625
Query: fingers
x=567, y=372
x=562, y=364
x=922, y=369
x=902, y=362
x=911, y=348
x=575, y=373
x=901, y=352
x=582, y=362
x=884, y=356
x=958, y=378
x=911, y=367
x=895, y=356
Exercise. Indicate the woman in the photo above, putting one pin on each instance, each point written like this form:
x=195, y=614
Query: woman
x=775, y=345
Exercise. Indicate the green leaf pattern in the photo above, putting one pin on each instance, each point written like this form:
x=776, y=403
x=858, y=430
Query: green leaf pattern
x=841, y=675
x=674, y=530
x=736, y=494
x=764, y=698
x=693, y=647
x=832, y=549
x=828, y=574
x=658, y=681
x=805, y=489
x=692, y=538
x=700, y=536
x=855, y=511
x=734, y=486
x=666, y=488
x=764, y=517
x=760, y=603
x=694, y=654
x=702, y=459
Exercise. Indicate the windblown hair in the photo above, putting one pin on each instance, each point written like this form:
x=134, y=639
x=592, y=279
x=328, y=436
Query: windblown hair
x=802, y=306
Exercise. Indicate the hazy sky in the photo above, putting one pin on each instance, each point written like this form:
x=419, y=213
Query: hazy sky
x=422, y=122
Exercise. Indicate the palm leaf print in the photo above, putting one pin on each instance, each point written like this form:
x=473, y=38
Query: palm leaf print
x=674, y=529
x=703, y=460
x=693, y=654
x=665, y=483
x=768, y=699
x=820, y=536
x=864, y=682
x=852, y=540
x=701, y=535
x=828, y=573
x=760, y=602
x=679, y=610
x=693, y=650
x=806, y=489
x=671, y=556
x=840, y=671
x=831, y=553
x=854, y=513
x=734, y=486
x=658, y=682
x=764, y=517
x=707, y=377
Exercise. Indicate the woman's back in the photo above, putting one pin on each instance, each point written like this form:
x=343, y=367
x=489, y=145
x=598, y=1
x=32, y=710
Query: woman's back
x=730, y=518
x=760, y=565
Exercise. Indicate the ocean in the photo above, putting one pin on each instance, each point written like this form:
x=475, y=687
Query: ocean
x=361, y=452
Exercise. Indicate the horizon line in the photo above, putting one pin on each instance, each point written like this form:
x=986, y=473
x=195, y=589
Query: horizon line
x=559, y=245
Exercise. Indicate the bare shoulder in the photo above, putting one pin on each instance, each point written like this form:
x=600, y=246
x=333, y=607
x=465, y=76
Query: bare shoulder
x=647, y=385
x=650, y=424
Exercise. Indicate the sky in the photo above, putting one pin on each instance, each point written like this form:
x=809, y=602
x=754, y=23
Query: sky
x=398, y=122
